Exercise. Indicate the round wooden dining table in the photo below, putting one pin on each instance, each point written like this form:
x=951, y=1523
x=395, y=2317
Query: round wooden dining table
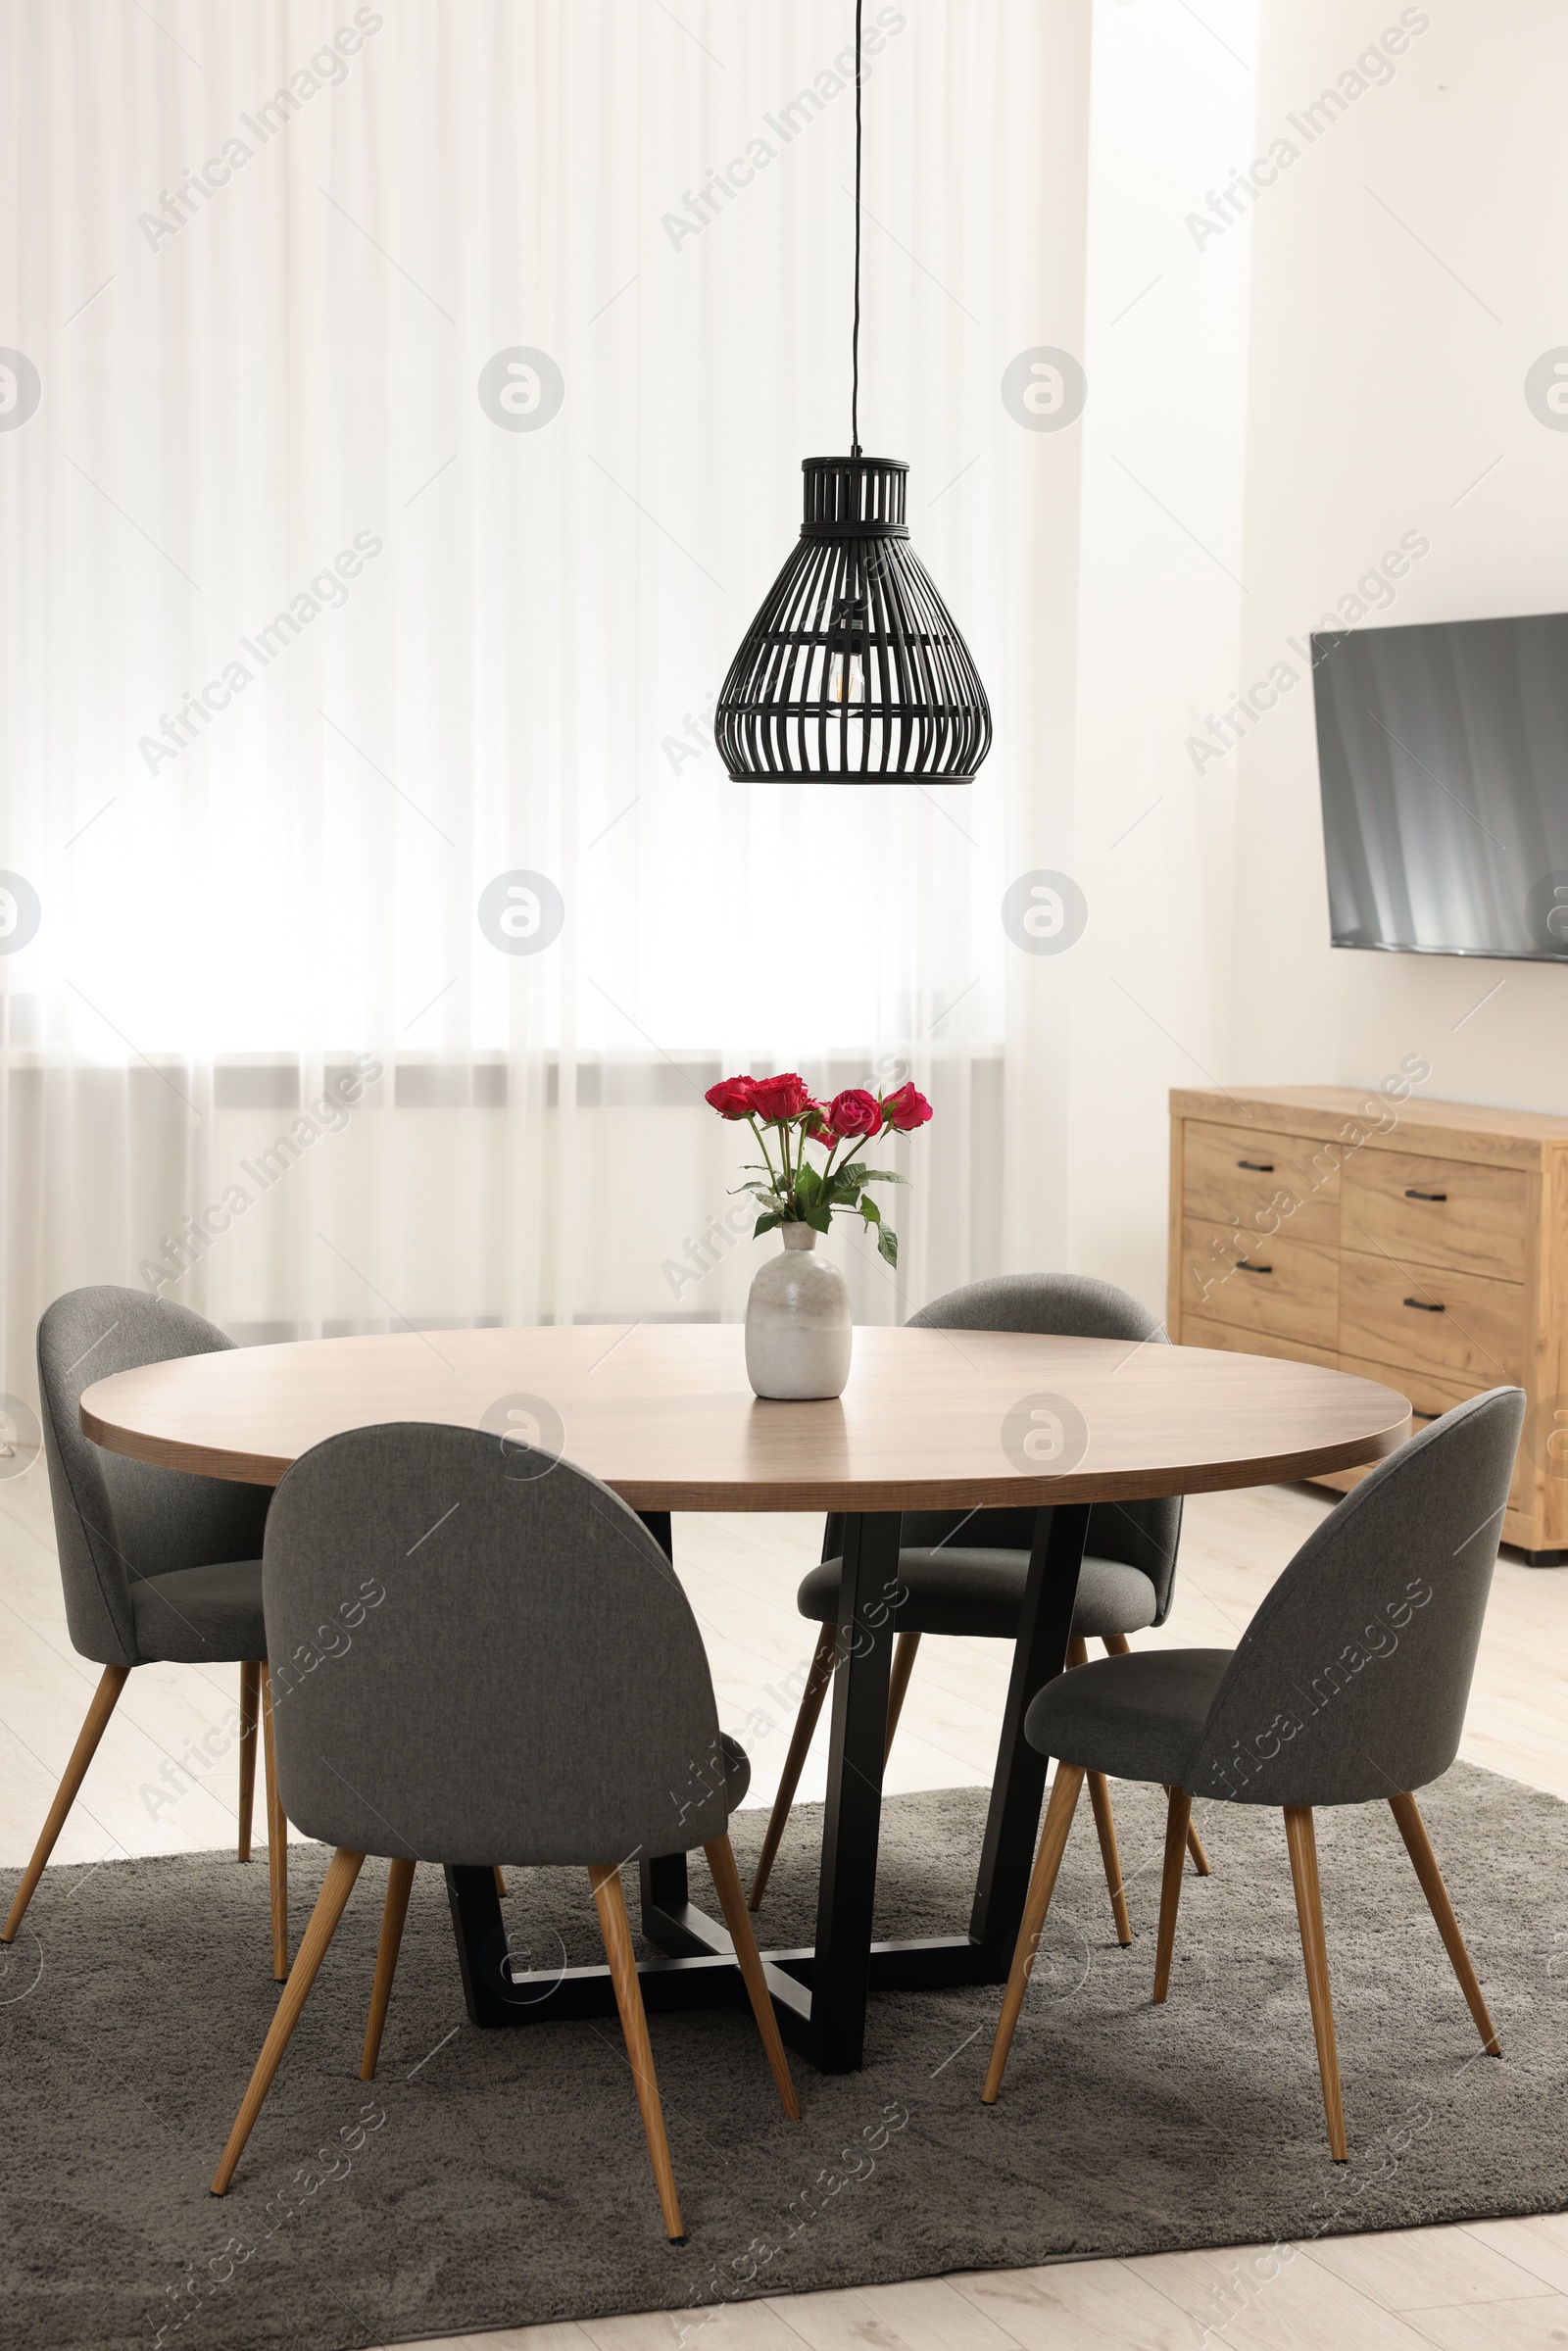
x=931, y=1419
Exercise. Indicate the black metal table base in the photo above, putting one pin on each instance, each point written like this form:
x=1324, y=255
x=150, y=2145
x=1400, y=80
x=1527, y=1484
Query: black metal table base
x=820, y=1992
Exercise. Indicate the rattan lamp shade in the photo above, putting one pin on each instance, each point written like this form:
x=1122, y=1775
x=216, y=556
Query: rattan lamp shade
x=853, y=672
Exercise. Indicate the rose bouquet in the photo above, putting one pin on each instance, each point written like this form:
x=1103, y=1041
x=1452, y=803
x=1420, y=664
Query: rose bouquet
x=799, y=1190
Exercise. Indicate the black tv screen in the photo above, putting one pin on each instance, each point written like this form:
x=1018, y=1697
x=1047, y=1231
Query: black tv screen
x=1443, y=757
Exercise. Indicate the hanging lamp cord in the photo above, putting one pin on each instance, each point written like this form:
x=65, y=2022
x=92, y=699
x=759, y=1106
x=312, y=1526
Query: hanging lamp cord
x=854, y=345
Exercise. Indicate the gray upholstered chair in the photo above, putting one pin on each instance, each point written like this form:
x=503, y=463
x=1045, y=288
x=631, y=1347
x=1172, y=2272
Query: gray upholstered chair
x=1348, y=1686
x=976, y=1588
x=533, y=1685
x=157, y=1567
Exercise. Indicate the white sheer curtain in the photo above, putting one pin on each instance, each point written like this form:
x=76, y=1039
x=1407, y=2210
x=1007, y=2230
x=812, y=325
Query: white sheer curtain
x=324, y=618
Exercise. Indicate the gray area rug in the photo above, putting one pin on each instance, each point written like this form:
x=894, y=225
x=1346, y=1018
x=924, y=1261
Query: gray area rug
x=496, y=2179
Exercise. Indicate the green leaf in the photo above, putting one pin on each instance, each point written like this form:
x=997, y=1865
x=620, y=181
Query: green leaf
x=869, y=1211
x=887, y=1241
x=880, y=1175
x=807, y=1183
x=764, y=1224
x=820, y=1220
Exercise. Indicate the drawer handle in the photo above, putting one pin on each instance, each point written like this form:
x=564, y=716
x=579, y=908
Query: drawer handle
x=1411, y=1192
x=1256, y=1167
x=1421, y=1306
x=1245, y=1265
x=1415, y=1415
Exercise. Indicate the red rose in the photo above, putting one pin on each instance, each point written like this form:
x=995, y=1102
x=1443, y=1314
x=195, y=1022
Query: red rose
x=733, y=1098
x=906, y=1110
x=817, y=1127
x=855, y=1113
x=779, y=1098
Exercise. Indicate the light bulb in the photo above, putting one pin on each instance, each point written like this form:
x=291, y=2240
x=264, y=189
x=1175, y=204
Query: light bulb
x=856, y=681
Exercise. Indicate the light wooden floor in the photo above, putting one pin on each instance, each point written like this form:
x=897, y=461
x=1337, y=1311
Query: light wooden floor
x=1495, y=2286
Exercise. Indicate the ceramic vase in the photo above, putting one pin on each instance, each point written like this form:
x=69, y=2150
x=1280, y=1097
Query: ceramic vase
x=798, y=1330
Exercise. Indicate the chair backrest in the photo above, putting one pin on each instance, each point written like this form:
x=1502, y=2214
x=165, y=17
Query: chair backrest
x=1062, y=1305
x=478, y=1654
x=1351, y=1682
x=118, y=1520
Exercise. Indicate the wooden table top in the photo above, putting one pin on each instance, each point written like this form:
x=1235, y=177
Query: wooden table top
x=662, y=1413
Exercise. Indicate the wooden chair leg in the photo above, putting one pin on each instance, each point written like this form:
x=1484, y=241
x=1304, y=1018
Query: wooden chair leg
x=1414, y=1829
x=737, y=1918
x=1194, y=1846
x=111, y=1685
x=501, y=1884
x=342, y=1871
x=1314, y=1950
x=610, y=1903
x=276, y=1838
x=906, y=1649
x=1170, y=1887
x=249, y=1690
x=399, y=1886
x=817, y=1680
x=1042, y=1886
x=1105, y=1818
x=1104, y=1823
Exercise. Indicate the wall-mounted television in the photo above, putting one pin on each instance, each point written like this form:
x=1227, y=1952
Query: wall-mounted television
x=1443, y=759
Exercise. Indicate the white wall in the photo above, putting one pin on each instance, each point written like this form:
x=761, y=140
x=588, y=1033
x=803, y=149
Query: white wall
x=1338, y=368
x=1164, y=438
x=1387, y=374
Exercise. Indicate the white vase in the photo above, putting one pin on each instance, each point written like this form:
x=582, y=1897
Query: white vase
x=798, y=1330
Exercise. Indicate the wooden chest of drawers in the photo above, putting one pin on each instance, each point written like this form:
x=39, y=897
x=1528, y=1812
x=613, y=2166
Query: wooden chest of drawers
x=1417, y=1243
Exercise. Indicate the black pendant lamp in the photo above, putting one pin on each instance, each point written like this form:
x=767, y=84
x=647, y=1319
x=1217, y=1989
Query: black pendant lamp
x=854, y=671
